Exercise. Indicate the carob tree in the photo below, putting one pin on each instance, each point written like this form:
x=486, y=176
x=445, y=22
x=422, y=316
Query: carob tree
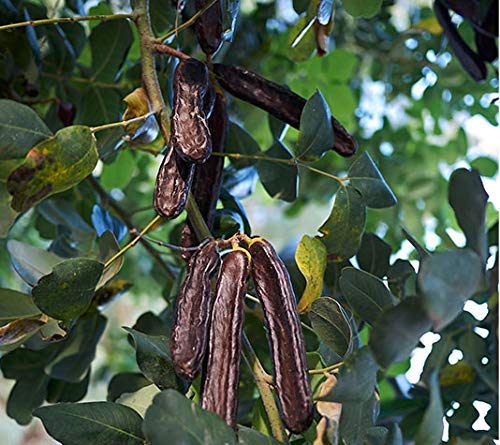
x=75, y=179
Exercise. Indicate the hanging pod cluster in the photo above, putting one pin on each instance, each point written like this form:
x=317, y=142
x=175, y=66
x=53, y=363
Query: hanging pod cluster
x=208, y=327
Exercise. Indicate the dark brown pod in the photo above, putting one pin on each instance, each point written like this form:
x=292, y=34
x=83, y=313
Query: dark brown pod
x=222, y=374
x=189, y=130
x=486, y=47
x=471, y=10
x=208, y=176
x=277, y=100
x=191, y=319
x=469, y=60
x=172, y=186
x=284, y=333
x=208, y=27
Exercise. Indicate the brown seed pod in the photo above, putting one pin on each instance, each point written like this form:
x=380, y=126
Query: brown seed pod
x=208, y=27
x=189, y=130
x=222, y=375
x=284, y=333
x=208, y=176
x=194, y=305
x=469, y=60
x=172, y=186
x=277, y=100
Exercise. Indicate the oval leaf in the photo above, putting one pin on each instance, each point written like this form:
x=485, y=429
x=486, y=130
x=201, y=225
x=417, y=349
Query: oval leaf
x=15, y=305
x=239, y=141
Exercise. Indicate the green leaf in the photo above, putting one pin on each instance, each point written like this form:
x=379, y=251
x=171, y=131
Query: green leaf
x=315, y=133
x=174, y=416
x=398, y=330
x=20, y=129
x=162, y=16
x=356, y=380
x=373, y=255
x=31, y=263
x=310, y=257
x=67, y=291
x=103, y=423
x=345, y=226
x=153, y=358
x=362, y=8
x=139, y=400
x=445, y=280
x=101, y=106
x=54, y=165
x=394, y=436
x=486, y=166
x=120, y=172
x=366, y=178
x=15, y=333
x=468, y=199
x=239, y=141
x=25, y=396
x=430, y=430
x=108, y=247
x=330, y=322
x=248, y=436
x=61, y=391
x=116, y=36
x=365, y=293
x=401, y=277
x=15, y=305
x=78, y=349
x=279, y=180
x=422, y=251
x=125, y=382
x=9, y=215
x=356, y=419
x=301, y=40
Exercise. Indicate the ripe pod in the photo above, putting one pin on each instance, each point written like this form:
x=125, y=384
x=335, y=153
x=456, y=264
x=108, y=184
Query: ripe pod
x=222, y=375
x=277, y=100
x=284, y=333
x=190, y=136
x=194, y=305
x=208, y=27
x=208, y=176
x=172, y=186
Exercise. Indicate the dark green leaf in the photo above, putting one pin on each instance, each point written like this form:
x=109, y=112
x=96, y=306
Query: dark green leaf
x=376, y=435
x=108, y=247
x=357, y=378
x=373, y=255
x=9, y=215
x=445, y=280
x=438, y=357
x=394, y=436
x=239, y=141
x=162, y=16
x=103, y=221
x=54, y=165
x=365, y=293
x=345, y=226
x=174, y=416
x=240, y=183
x=430, y=430
x=153, y=358
x=356, y=418
x=116, y=37
x=15, y=305
x=125, y=382
x=401, y=276
x=276, y=127
x=230, y=202
x=101, y=106
x=366, y=178
x=20, y=129
x=468, y=199
x=78, y=350
x=315, y=134
x=422, y=251
x=103, y=423
x=279, y=180
x=24, y=363
x=248, y=436
x=25, y=396
x=362, y=8
x=67, y=291
x=398, y=330
x=227, y=222
x=61, y=391
x=330, y=322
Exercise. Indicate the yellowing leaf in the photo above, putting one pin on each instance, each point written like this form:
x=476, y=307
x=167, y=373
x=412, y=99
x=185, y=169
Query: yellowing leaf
x=52, y=166
x=328, y=427
x=141, y=132
x=430, y=24
x=310, y=257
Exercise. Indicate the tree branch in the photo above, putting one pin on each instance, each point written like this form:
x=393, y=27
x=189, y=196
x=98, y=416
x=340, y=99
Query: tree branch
x=83, y=18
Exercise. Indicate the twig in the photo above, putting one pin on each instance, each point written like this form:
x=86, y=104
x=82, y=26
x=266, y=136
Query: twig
x=165, y=49
x=121, y=123
x=94, y=83
x=168, y=245
x=186, y=23
x=127, y=220
x=264, y=382
x=83, y=18
x=327, y=369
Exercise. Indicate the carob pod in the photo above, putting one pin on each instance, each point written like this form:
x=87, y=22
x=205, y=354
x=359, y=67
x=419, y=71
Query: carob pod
x=470, y=61
x=192, y=314
x=486, y=47
x=208, y=176
x=190, y=136
x=470, y=10
x=208, y=27
x=172, y=186
x=222, y=373
x=277, y=100
x=284, y=333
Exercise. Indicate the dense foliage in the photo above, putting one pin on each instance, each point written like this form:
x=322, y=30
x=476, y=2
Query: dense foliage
x=75, y=181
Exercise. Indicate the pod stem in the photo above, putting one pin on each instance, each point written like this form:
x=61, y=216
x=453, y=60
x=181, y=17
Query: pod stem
x=264, y=381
